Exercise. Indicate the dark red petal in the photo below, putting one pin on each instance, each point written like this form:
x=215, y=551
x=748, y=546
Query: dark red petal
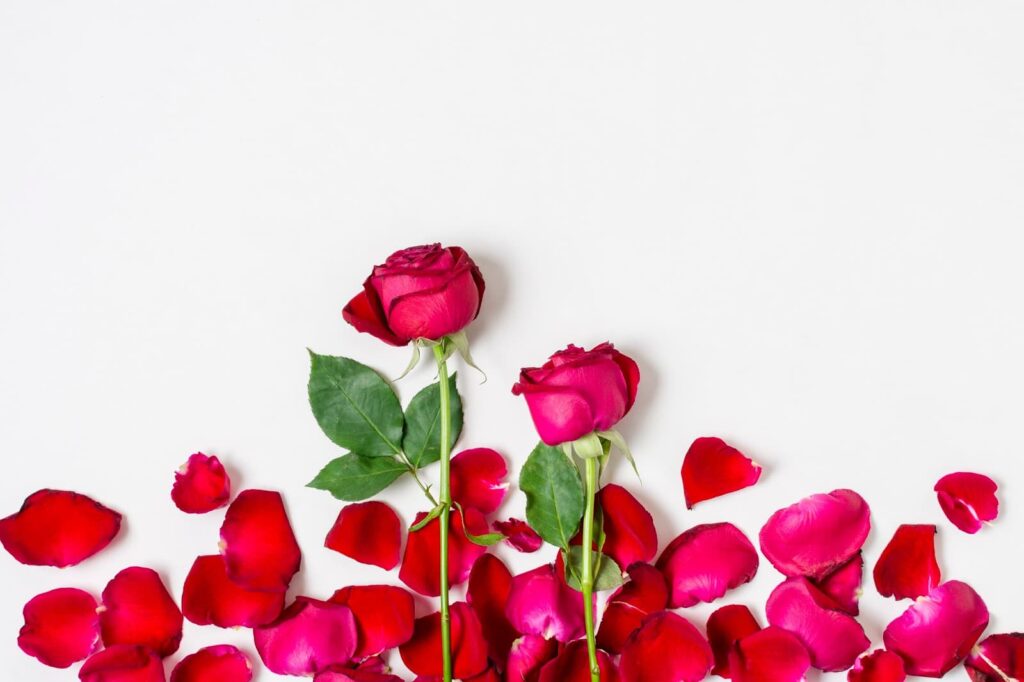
x=309, y=636
x=937, y=631
x=630, y=372
x=490, y=583
x=422, y=654
x=365, y=313
x=769, y=655
x=489, y=675
x=832, y=637
x=843, y=584
x=712, y=468
x=907, y=568
x=210, y=598
x=528, y=655
x=421, y=562
x=257, y=542
x=817, y=534
x=201, y=485
x=540, y=603
x=997, y=658
x=968, y=500
x=137, y=609
x=58, y=528
x=878, y=666
x=705, y=562
x=629, y=530
x=726, y=626
x=645, y=593
x=518, y=534
x=61, y=627
x=123, y=663
x=384, y=616
x=666, y=648
x=478, y=479
x=573, y=665
x=220, y=663
x=337, y=673
x=369, y=532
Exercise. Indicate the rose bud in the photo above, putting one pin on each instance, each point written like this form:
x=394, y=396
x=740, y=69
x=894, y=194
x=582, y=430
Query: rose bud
x=578, y=391
x=423, y=292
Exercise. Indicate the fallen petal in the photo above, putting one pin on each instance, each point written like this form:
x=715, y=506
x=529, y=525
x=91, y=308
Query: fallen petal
x=309, y=636
x=369, y=532
x=629, y=530
x=58, y=528
x=384, y=616
x=490, y=583
x=220, y=663
x=878, y=666
x=705, y=562
x=666, y=648
x=540, y=603
x=519, y=535
x=211, y=598
x=123, y=663
x=420, y=564
x=137, y=609
x=342, y=674
x=769, y=655
x=201, y=485
x=968, y=499
x=907, y=568
x=61, y=627
x=527, y=656
x=422, y=653
x=573, y=665
x=645, y=593
x=478, y=479
x=257, y=542
x=725, y=627
x=712, y=468
x=843, y=584
x=997, y=658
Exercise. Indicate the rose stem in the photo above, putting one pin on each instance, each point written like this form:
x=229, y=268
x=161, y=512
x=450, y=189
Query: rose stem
x=446, y=502
x=588, y=567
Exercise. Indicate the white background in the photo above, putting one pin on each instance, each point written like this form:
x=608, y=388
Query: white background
x=803, y=219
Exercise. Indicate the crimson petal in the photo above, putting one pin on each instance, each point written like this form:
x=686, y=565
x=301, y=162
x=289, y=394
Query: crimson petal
x=384, y=616
x=540, y=603
x=422, y=653
x=309, y=636
x=519, y=535
x=644, y=594
x=705, y=562
x=725, y=627
x=630, y=535
x=257, y=542
x=712, y=468
x=843, y=584
x=997, y=658
x=337, y=673
x=527, y=656
x=58, y=528
x=123, y=663
x=769, y=655
x=573, y=665
x=61, y=627
x=201, y=485
x=369, y=532
x=878, y=666
x=420, y=564
x=478, y=479
x=666, y=648
x=907, y=568
x=968, y=499
x=490, y=583
x=211, y=598
x=223, y=663
x=137, y=609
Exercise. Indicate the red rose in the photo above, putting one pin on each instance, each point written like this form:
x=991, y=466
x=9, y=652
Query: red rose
x=423, y=292
x=579, y=391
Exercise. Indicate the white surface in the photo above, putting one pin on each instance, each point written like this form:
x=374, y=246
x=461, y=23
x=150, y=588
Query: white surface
x=802, y=218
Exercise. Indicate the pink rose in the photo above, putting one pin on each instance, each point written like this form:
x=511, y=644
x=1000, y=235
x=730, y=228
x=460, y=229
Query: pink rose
x=423, y=292
x=578, y=391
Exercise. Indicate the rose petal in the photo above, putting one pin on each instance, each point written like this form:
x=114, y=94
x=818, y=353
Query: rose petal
x=58, y=528
x=490, y=583
x=666, y=648
x=369, y=532
x=220, y=663
x=257, y=542
x=817, y=534
x=309, y=636
x=519, y=535
x=937, y=631
x=489, y=675
x=573, y=665
x=420, y=564
x=364, y=312
x=769, y=655
x=341, y=674
x=878, y=666
x=540, y=603
x=61, y=627
x=422, y=653
x=645, y=593
x=1005, y=652
x=968, y=500
x=725, y=627
x=712, y=468
x=201, y=485
x=384, y=616
x=705, y=562
x=907, y=568
x=843, y=584
x=210, y=598
x=832, y=637
x=137, y=609
x=478, y=479
x=528, y=655
x=629, y=530
x=123, y=663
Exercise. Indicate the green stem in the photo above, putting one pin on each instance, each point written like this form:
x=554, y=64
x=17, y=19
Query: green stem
x=587, y=582
x=445, y=494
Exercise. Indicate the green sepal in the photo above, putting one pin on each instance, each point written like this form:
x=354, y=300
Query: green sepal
x=413, y=361
x=353, y=477
x=461, y=343
x=608, y=575
x=615, y=438
x=588, y=447
x=554, y=494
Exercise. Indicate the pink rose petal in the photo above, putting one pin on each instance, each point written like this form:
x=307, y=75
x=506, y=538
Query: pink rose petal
x=221, y=663
x=712, y=468
x=769, y=655
x=310, y=636
x=478, y=479
x=61, y=627
x=258, y=545
x=968, y=500
x=201, y=485
x=843, y=584
x=666, y=648
x=907, y=568
x=540, y=603
x=527, y=656
x=878, y=666
x=705, y=562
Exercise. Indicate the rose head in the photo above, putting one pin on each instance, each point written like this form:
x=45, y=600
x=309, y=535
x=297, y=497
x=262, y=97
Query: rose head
x=423, y=292
x=579, y=391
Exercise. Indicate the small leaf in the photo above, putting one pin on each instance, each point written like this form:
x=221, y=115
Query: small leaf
x=413, y=361
x=485, y=540
x=422, y=440
x=554, y=494
x=609, y=575
x=588, y=447
x=353, y=477
x=431, y=515
x=461, y=343
x=615, y=438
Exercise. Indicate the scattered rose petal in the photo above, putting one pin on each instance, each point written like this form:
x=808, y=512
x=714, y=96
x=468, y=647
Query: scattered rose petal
x=469, y=649
x=137, y=609
x=878, y=666
x=666, y=648
x=58, y=528
x=478, y=479
x=490, y=583
x=968, y=500
x=907, y=568
x=210, y=598
x=123, y=663
x=201, y=485
x=384, y=616
x=832, y=637
x=420, y=564
x=489, y=675
x=705, y=562
x=817, y=534
x=220, y=663
x=369, y=532
x=629, y=530
x=61, y=627
x=257, y=542
x=309, y=636
x=726, y=626
x=712, y=468
x=540, y=603
x=1005, y=652
x=843, y=584
x=519, y=535
x=937, y=631
x=769, y=655
x=342, y=674
x=645, y=593
x=527, y=656
x=573, y=665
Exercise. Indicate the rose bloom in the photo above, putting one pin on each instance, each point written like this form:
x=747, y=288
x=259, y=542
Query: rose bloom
x=423, y=292
x=578, y=391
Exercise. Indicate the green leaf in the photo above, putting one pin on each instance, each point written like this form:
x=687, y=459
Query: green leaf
x=609, y=575
x=355, y=406
x=422, y=440
x=554, y=494
x=353, y=477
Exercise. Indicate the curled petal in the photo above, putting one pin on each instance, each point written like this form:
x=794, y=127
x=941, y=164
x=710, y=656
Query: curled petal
x=878, y=666
x=61, y=627
x=629, y=530
x=832, y=637
x=527, y=656
x=223, y=663
x=769, y=655
x=573, y=665
x=201, y=485
x=469, y=649
x=123, y=663
x=257, y=542
x=478, y=479
x=705, y=562
x=58, y=528
x=726, y=626
x=645, y=593
x=490, y=583
x=540, y=603
x=968, y=500
x=309, y=636
x=937, y=631
x=420, y=564
x=384, y=616
x=519, y=535
x=137, y=609
x=210, y=598
x=364, y=312
x=997, y=658
x=817, y=534
x=907, y=568
x=843, y=584
x=712, y=468
x=369, y=532
x=666, y=648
